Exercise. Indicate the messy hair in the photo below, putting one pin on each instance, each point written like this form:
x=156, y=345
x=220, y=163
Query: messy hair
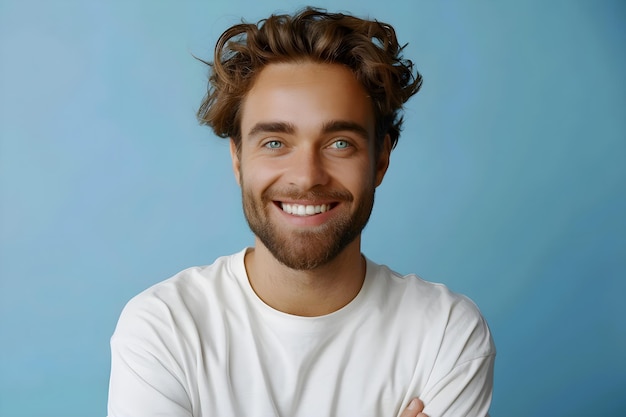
x=369, y=48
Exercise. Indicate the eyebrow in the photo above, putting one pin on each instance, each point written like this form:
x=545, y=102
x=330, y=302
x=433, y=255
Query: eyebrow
x=346, y=126
x=271, y=127
x=329, y=127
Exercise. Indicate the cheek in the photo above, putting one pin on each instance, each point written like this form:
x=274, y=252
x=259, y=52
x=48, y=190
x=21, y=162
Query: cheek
x=357, y=176
x=257, y=177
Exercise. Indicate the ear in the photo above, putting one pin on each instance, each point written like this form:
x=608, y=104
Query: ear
x=234, y=156
x=382, y=162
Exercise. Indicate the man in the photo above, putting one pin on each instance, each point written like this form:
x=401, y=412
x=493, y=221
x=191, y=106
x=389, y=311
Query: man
x=302, y=324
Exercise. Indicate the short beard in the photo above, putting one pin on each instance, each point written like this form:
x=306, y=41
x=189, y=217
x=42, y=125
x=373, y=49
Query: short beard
x=307, y=250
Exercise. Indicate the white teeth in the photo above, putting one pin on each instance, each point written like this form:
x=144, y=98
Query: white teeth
x=302, y=210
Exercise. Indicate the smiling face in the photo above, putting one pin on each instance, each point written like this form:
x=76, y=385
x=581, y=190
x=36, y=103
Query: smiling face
x=306, y=162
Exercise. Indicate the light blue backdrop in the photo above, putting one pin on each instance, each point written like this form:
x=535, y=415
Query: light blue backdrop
x=508, y=184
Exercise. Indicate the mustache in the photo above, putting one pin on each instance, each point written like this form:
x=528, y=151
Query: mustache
x=293, y=193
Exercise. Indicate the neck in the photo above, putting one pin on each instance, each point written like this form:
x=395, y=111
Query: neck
x=306, y=293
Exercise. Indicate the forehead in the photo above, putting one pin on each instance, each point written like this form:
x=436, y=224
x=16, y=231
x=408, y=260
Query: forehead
x=306, y=95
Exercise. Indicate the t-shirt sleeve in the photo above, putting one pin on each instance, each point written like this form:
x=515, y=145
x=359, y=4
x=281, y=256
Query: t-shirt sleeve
x=146, y=379
x=461, y=382
x=465, y=391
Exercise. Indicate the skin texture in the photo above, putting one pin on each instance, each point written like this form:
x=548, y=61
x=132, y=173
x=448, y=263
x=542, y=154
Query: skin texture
x=308, y=139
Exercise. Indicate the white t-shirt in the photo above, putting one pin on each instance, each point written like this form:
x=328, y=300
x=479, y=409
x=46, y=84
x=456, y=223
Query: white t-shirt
x=203, y=344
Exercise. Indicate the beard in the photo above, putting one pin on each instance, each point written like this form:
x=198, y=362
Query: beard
x=311, y=248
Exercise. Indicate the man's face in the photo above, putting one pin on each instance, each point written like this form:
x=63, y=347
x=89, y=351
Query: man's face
x=306, y=163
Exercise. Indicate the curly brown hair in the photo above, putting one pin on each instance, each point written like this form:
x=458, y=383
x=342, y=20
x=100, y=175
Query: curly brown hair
x=369, y=48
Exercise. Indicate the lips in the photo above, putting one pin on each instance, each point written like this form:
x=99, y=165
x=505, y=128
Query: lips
x=304, y=210
x=312, y=203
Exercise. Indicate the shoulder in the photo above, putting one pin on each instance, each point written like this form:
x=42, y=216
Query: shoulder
x=452, y=319
x=428, y=295
x=184, y=285
x=187, y=296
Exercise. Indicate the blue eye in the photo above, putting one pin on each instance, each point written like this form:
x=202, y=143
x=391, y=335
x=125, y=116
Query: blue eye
x=341, y=144
x=273, y=144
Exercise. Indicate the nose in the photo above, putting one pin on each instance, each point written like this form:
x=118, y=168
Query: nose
x=307, y=169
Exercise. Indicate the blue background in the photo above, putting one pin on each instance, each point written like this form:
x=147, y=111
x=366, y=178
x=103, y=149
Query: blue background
x=508, y=184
